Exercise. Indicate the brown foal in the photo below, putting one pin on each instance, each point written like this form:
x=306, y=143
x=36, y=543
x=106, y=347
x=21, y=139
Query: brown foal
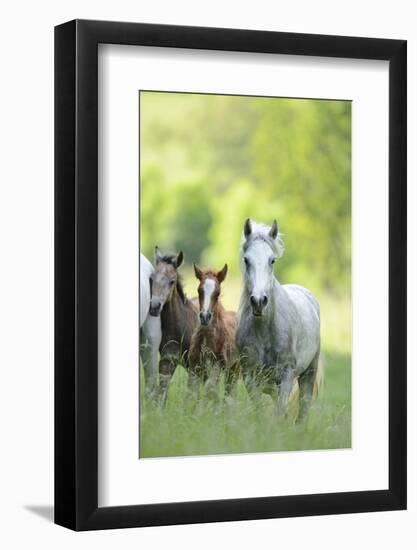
x=213, y=342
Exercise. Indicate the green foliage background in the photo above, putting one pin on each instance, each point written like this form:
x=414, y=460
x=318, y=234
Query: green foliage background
x=207, y=162
x=210, y=161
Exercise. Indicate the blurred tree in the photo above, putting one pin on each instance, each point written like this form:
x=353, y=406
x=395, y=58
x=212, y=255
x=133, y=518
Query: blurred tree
x=209, y=161
x=192, y=219
x=301, y=154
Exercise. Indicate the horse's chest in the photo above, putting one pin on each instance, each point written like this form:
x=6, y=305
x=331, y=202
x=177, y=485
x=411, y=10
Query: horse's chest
x=268, y=355
x=213, y=344
x=266, y=349
x=176, y=335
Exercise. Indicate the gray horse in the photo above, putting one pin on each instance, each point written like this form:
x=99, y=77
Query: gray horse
x=278, y=333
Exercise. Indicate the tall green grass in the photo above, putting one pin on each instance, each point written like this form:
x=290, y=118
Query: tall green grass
x=211, y=425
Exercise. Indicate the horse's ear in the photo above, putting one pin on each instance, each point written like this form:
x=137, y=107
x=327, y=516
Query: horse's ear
x=273, y=232
x=221, y=275
x=198, y=272
x=179, y=259
x=247, y=228
x=158, y=255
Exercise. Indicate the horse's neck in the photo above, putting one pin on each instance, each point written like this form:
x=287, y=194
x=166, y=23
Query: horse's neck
x=277, y=291
x=173, y=312
x=218, y=314
x=272, y=311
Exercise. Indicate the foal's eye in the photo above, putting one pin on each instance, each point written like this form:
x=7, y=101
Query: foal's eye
x=171, y=282
x=272, y=261
x=246, y=261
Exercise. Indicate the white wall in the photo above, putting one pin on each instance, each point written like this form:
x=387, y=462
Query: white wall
x=26, y=299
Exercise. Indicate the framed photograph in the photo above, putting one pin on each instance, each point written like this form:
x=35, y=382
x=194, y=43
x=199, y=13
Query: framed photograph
x=230, y=284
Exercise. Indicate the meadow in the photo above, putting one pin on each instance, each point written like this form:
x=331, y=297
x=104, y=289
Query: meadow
x=208, y=162
x=214, y=426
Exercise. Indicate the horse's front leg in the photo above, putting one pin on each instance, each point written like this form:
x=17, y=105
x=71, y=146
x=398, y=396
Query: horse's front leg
x=253, y=387
x=306, y=383
x=285, y=388
x=231, y=378
x=251, y=370
x=194, y=380
x=194, y=364
x=213, y=370
x=167, y=366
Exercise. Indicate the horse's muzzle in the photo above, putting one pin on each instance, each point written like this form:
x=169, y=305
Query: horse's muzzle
x=258, y=305
x=155, y=308
x=205, y=318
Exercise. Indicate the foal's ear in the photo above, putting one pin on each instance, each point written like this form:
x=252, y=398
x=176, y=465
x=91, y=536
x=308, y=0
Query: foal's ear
x=198, y=272
x=221, y=275
x=179, y=259
x=158, y=255
x=247, y=228
x=273, y=232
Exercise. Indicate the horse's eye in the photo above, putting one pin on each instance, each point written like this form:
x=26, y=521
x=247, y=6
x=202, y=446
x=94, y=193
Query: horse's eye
x=171, y=282
x=246, y=261
x=272, y=261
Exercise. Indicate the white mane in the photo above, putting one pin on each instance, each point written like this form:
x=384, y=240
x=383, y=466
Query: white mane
x=263, y=230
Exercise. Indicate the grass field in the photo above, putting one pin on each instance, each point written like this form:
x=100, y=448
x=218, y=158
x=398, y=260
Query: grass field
x=213, y=426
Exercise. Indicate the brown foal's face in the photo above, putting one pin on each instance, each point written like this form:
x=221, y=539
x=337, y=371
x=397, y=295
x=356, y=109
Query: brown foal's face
x=208, y=292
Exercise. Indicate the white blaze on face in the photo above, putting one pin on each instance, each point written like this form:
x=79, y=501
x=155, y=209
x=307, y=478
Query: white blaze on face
x=260, y=272
x=209, y=286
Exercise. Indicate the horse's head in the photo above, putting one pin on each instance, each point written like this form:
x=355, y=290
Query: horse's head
x=261, y=246
x=164, y=280
x=209, y=291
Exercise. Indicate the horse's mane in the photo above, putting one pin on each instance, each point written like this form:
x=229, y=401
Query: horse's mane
x=180, y=289
x=260, y=231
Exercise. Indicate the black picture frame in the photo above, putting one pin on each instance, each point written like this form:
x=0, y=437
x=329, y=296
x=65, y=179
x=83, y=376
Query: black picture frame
x=76, y=272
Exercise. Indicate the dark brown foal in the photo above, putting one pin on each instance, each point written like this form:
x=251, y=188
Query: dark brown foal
x=178, y=316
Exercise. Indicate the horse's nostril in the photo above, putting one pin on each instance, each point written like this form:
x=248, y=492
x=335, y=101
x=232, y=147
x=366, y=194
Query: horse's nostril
x=205, y=317
x=258, y=303
x=155, y=306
